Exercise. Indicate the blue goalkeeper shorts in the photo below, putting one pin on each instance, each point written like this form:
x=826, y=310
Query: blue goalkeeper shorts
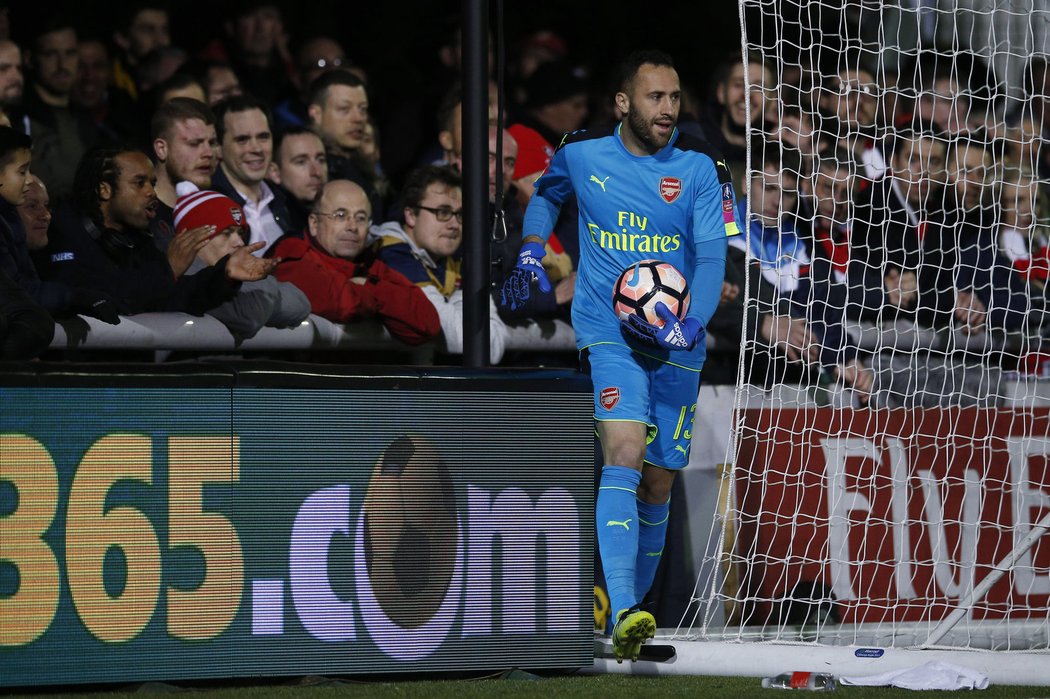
x=633, y=387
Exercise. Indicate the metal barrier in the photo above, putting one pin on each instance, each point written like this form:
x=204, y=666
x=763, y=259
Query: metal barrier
x=184, y=332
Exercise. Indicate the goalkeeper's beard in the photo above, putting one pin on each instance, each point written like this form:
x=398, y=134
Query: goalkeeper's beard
x=643, y=131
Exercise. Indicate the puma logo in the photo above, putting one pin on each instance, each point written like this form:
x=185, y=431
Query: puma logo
x=679, y=447
x=600, y=183
x=722, y=163
x=614, y=523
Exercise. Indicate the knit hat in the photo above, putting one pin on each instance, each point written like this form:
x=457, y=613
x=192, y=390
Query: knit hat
x=534, y=153
x=203, y=207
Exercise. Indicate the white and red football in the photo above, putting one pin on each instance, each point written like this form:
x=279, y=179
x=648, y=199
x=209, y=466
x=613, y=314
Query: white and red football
x=642, y=285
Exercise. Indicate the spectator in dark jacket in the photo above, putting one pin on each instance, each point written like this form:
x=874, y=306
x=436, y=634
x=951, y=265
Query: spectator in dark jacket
x=35, y=212
x=796, y=314
x=182, y=133
x=300, y=169
x=969, y=280
x=62, y=131
x=893, y=216
x=15, y=261
x=254, y=46
x=338, y=110
x=243, y=127
x=103, y=243
x=25, y=328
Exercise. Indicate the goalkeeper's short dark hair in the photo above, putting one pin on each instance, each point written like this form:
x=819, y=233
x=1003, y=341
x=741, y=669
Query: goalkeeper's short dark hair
x=630, y=65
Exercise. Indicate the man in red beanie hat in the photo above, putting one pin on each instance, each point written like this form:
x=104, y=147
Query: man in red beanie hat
x=259, y=303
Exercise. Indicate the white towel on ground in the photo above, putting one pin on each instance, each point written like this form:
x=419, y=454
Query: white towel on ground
x=932, y=675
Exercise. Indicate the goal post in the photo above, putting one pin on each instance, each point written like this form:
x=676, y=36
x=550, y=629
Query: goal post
x=887, y=500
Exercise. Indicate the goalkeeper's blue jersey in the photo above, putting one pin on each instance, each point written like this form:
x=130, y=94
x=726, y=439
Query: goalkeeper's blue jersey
x=634, y=208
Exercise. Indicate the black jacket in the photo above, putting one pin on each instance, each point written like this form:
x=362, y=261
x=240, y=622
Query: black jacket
x=26, y=329
x=963, y=254
x=61, y=136
x=278, y=207
x=17, y=265
x=130, y=269
x=884, y=237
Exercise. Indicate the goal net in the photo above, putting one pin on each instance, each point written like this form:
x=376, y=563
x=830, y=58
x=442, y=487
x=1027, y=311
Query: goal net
x=887, y=488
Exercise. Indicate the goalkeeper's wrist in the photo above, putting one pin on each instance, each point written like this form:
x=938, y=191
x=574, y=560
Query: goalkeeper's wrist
x=694, y=329
x=533, y=238
x=531, y=253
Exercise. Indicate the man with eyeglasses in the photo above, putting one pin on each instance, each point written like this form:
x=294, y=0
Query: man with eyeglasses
x=849, y=107
x=341, y=275
x=426, y=249
x=961, y=267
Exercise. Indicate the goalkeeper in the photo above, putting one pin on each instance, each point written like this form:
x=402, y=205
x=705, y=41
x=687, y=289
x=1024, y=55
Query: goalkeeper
x=644, y=191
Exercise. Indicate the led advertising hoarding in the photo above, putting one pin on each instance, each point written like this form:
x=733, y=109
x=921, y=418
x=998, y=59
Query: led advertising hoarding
x=179, y=533
x=898, y=514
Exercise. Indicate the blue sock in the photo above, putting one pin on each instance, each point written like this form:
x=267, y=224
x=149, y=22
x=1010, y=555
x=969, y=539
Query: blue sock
x=651, y=535
x=616, y=512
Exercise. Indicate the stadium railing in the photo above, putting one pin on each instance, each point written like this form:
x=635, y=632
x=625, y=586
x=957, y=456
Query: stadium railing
x=184, y=332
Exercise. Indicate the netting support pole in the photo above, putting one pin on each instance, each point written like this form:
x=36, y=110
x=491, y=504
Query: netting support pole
x=978, y=592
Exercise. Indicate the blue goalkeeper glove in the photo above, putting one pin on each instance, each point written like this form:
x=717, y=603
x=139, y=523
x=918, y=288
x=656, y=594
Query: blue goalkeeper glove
x=515, y=291
x=674, y=335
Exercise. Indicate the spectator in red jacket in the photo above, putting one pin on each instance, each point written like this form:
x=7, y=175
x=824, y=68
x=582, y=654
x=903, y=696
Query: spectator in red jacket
x=342, y=278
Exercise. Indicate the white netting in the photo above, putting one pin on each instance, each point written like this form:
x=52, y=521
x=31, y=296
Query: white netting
x=891, y=430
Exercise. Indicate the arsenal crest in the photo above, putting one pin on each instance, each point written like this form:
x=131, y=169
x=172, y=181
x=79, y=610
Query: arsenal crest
x=609, y=397
x=670, y=188
x=235, y=212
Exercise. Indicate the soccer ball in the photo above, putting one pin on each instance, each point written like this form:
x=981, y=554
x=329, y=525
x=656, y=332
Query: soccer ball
x=410, y=531
x=642, y=285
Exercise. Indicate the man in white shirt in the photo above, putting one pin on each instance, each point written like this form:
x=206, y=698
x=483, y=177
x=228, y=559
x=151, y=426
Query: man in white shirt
x=243, y=126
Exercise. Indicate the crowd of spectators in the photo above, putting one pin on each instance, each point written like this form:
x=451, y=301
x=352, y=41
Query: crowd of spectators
x=246, y=181
x=907, y=203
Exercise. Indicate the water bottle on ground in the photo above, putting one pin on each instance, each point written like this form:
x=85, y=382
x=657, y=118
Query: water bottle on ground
x=815, y=681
